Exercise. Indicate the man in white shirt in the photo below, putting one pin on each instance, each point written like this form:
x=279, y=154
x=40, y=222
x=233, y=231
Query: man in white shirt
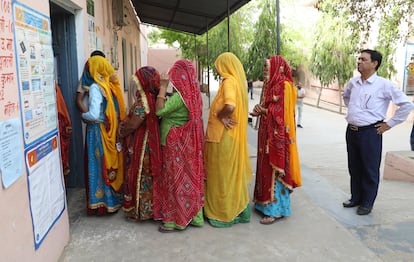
x=367, y=98
x=299, y=104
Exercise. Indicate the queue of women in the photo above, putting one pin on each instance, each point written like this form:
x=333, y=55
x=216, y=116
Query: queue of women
x=156, y=162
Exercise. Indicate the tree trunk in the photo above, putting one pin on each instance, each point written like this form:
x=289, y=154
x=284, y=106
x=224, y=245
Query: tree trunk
x=319, y=96
x=340, y=99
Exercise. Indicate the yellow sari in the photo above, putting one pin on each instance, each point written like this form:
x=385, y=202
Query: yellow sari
x=101, y=71
x=226, y=153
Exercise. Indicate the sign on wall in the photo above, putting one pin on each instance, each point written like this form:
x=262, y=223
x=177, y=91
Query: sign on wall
x=33, y=40
x=11, y=157
x=35, y=67
x=408, y=85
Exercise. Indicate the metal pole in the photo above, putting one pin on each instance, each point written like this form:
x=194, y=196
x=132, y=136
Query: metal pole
x=195, y=57
x=208, y=70
x=228, y=26
x=278, y=27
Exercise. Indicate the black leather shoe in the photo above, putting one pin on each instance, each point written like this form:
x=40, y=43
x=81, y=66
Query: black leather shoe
x=350, y=203
x=362, y=211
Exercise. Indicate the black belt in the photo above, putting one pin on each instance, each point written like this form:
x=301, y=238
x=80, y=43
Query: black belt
x=360, y=128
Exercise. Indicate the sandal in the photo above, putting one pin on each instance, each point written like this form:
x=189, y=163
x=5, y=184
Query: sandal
x=164, y=229
x=268, y=220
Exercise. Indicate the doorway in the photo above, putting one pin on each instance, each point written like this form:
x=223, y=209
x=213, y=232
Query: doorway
x=64, y=49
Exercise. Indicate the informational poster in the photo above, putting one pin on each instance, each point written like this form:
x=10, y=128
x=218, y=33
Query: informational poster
x=92, y=34
x=46, y=187
x=11, y=157
x=35, y=73
x=409, y=70
x=35, y=70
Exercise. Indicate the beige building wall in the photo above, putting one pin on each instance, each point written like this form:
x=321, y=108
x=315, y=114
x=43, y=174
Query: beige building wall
x=163, y=58
x=17, y=241
x=122, y=46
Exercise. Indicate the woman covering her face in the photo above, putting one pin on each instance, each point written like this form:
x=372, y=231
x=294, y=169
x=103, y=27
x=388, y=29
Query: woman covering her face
x=104, y=162
x=179, y=190
x=141, y=145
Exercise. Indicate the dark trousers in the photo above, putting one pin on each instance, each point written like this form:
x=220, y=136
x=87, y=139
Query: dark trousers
x=250, y=90
x=364, y=159
x=412, y=139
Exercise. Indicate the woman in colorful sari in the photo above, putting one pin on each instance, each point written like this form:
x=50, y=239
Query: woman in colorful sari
x=141, y=135
x=277, y=169
x=226, y=153
x=179, y=190
x=106, y=108
x=65, y=131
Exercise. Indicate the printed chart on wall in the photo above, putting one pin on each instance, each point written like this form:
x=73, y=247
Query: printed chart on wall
x=35, y=73
x=34, y=59
x=409, y=70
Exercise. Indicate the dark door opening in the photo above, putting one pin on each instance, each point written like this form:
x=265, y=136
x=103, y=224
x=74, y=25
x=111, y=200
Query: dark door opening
x=64, y=48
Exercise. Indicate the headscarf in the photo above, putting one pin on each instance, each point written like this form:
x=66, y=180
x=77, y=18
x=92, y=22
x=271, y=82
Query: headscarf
x=100, y=70
x=87, y=80
x=229, y=66
x=230, y=69
x=280, y=100
x=147, y=82
x=183, y=77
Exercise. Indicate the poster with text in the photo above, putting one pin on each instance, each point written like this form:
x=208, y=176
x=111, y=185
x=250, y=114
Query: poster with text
x=11, y=157
x=34, y=55
x=46, y=186
x=408, y=85
x=35, y=71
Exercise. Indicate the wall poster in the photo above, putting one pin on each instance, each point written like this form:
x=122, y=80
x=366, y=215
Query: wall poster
x=11, y=145
x=35, y=71
x=33, y=40
x=408, y=84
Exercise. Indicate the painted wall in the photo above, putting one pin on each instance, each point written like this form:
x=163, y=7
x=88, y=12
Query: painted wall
x=17, y=240
x=108, y=37
x=163, y=58
x=16, y=226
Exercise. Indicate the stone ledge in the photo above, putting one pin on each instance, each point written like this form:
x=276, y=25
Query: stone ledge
x=399, y=165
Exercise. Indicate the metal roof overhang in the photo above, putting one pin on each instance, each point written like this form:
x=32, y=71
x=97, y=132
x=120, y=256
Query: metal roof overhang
x=191, y=16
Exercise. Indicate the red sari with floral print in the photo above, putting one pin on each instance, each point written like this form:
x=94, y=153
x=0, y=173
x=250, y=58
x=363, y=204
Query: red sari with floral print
x=143, y=158
x=274, y=156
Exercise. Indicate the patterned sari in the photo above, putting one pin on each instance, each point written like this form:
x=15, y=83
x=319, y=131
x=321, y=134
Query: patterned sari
x=65, y=130
x=277, y=169
x=105, y=174
x=179, y=190
x=143, y=159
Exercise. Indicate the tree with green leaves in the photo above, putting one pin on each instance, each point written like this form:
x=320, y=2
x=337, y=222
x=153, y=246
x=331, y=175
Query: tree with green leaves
x=363, y=17
x=333, y=54
x=264, y=44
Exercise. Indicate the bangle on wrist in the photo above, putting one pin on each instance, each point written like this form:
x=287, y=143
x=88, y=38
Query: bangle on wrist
x=162, y=97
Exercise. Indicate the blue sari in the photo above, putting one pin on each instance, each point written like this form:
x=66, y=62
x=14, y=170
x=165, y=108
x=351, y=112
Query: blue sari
x=101, y=198
x=280, y=207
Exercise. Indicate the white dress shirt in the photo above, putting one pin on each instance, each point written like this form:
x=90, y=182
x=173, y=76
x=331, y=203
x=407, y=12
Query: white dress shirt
x=368, y=101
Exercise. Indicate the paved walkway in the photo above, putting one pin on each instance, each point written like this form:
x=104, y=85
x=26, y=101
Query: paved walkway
x=318, y=230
